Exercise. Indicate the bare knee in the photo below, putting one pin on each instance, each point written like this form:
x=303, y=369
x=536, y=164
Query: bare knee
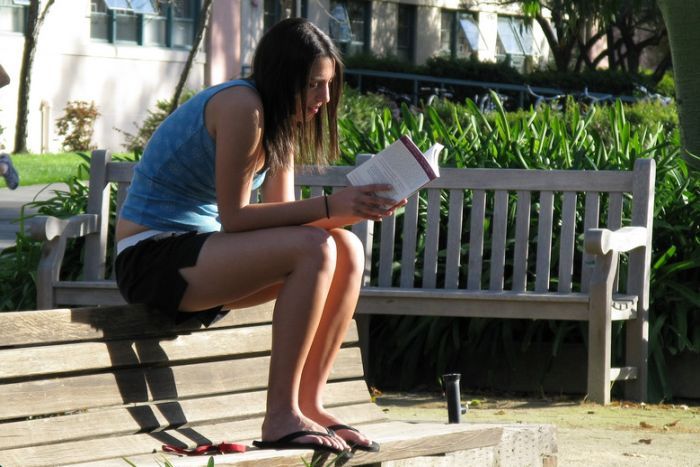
x=316, y=246
x=350, y=250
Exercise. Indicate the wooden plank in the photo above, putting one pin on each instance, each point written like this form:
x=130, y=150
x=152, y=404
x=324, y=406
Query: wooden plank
x=452, y=178
x=482, y=304
x=567, y=239
x=465, y=303
x=544, y=241
x=476, y=239
x=122, y=189
x=323, y=176
x=138, y=385
x=454, y=239
x=637, y=332
x=614, y=222
x=498, y=239
x=165, y=415
x=95, y=257
x=432, y=236
x=408, y=245
x=623, y=374
x=80, y=324
x=398, y=440
x=27, y=362
x=120, y=172
x=534, y=180
x=98, y=449
x=386, y=250
x=522, y=241
x=590, y=221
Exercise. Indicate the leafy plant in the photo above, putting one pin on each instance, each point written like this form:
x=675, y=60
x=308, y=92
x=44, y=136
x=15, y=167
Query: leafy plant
x=408, y=348
x=77, y=125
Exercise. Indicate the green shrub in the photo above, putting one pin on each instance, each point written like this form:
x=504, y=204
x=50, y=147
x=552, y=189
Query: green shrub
x=598, y=137
x=77, y=125
x=137, y=142
x=667, y=85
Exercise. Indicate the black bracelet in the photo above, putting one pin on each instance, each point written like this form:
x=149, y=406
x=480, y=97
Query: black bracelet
x=325, y=200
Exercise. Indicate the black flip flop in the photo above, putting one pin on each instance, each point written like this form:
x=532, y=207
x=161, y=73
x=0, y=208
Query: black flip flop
x=286, y=442
x=372, y=447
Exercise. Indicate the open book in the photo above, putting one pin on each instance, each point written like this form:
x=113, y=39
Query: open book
x=401, y=165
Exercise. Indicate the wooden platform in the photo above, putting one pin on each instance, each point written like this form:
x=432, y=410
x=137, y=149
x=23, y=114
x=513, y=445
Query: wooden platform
x=93, y=386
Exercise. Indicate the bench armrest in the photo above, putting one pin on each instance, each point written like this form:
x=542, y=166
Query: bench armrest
x=602, y=241
x=46, y=228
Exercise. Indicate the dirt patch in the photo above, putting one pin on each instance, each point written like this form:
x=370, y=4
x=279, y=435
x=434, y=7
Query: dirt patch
x=621, y=434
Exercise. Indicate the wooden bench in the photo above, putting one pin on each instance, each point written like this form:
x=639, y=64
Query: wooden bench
x=465, y=251
x=99, y=386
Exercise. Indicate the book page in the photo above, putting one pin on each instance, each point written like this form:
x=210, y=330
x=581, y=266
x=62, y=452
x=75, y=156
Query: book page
x=399, y=166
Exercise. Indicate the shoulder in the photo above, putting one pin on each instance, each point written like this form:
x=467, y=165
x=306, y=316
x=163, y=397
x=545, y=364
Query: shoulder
x=238, y=104
x=235, y=116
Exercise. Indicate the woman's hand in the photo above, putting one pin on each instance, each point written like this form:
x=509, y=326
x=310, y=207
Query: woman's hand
x=365, y=202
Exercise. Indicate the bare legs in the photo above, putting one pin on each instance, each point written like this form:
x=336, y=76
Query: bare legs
x=315, y=277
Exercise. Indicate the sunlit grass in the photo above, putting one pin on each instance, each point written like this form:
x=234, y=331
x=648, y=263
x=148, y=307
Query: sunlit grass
x=35, y=169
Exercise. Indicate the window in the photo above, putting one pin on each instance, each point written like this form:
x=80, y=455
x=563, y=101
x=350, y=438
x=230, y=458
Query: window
x=515, y=40
x=13, y=15
x=276, y=10
x=406, y=33
x=155, y=27
x=446, y=28
x=349, y=25
x=145, y=22
x=459, y=34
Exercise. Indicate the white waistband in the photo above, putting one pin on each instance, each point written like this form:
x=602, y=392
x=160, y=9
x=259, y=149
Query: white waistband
x=132, y=240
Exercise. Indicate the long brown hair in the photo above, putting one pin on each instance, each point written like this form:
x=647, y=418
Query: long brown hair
x=281, y=69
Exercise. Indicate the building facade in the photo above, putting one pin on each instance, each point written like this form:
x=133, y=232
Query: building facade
x=125, y=55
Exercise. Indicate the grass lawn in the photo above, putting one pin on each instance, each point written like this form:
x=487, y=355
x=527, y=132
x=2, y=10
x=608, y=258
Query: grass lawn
x=35, y=169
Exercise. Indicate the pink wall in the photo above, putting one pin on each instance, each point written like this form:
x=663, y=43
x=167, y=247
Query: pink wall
x=224, y=42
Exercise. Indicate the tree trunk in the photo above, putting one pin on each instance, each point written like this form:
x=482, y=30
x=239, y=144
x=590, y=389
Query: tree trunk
x=201, y=28
x=682, y=19
x=34, y=22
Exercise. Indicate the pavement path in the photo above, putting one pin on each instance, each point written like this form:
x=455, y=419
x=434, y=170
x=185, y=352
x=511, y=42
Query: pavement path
x=11, y=202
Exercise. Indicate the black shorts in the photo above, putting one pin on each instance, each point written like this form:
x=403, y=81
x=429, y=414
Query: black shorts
x=149, y=273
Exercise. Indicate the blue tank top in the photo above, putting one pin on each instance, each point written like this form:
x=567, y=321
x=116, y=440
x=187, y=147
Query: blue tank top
x=173, y=187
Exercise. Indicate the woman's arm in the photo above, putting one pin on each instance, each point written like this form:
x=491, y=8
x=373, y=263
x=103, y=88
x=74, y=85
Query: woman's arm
x=234, y=117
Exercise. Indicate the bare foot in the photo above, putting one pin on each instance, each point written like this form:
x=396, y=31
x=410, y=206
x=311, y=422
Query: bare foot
x=353, y=437
x=277, y=426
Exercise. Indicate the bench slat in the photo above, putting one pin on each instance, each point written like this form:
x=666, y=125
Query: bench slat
x=590, y=221
x=163, y=415
x=479, y=304
x=58, y=395
x=614, y=222
x=94, y=450
x=534, y=180
x=30, y=362
x=408, y=245
x=386, y=250
x=567, y=240
x=498, y=239
x=454, y=239
x=544, y=241
x=476, y=239
x=418, y=440
x=79, y=324
x=120, y=172
x=522, y=237
x=432, y=237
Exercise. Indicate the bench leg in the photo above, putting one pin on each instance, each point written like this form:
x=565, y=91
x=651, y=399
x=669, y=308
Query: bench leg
x=363, y=322
x=600, y=328
x=637, y=351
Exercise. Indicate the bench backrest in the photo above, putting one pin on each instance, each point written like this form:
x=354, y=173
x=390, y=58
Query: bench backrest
x=91, y=383
x=473, y=229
